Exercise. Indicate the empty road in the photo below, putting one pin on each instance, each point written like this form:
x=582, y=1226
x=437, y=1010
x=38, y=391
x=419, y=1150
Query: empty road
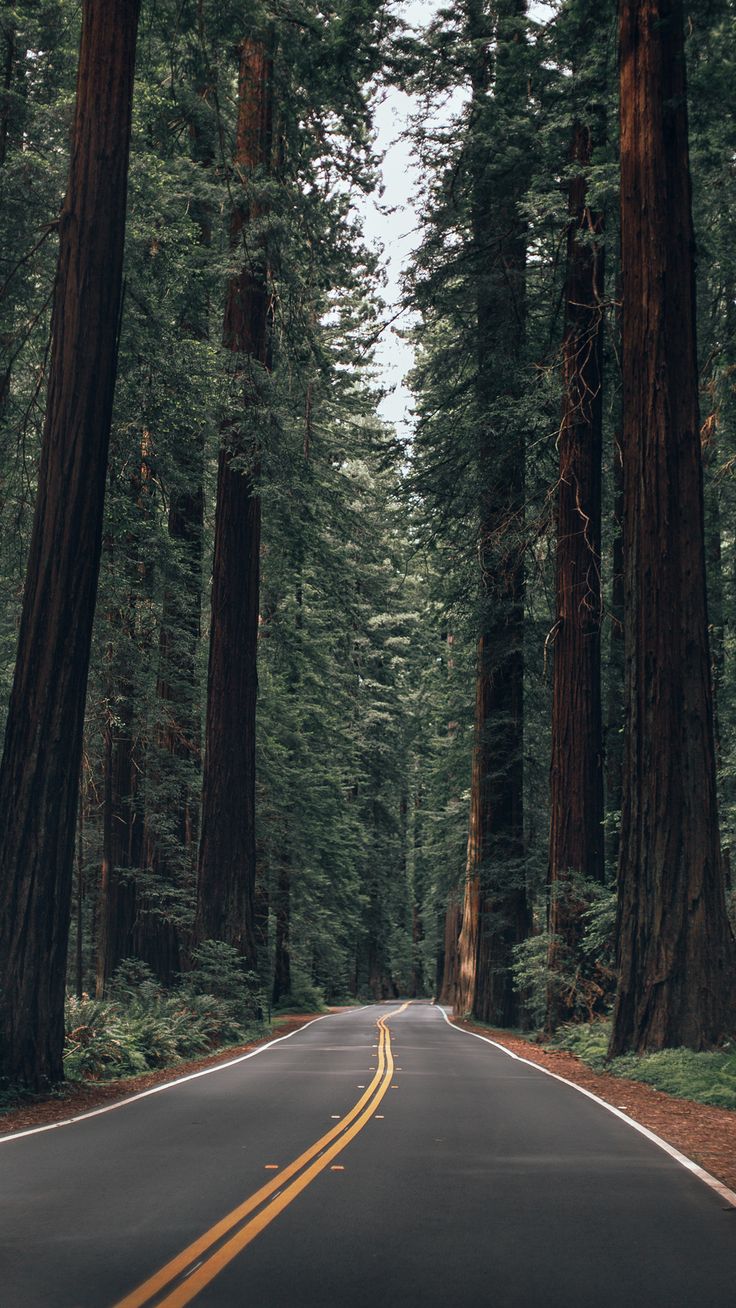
x=376, y=1157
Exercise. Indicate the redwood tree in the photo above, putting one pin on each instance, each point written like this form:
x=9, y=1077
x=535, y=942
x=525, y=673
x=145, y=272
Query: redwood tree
x=675, y=948
x=227, y=853
x=41, y=760
x=576, y=825
x=447, y=972
x=158, y=938
x=495, y=912
x=122, y=842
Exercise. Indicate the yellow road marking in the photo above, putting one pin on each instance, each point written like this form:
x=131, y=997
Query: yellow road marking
x=327, y=1147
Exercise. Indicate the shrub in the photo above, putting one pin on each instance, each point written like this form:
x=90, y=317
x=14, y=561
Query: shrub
x=304, y=997
x=529, y=970
x=134, y=983
x=219, y=971
x=141, y=1026
x=585, y=977
x=708, y=1077
x=95, y=1046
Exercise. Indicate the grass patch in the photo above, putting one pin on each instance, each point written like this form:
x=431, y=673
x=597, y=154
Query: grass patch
x=708, y=1078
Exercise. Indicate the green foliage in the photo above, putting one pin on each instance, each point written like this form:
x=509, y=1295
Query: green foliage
x=304, y=997
x=142, y=1026
x=218, y=972
x=370, y=583
x=586, y=980
x=707, y=1077
x=531, y=975
x=587, y=1040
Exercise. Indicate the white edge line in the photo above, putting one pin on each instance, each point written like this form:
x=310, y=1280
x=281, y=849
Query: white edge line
x=684, y=1161
x=156, y=1089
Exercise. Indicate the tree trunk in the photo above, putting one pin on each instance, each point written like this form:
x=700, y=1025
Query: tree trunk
x=227, y=853
x=9, y=58
x=79, y=952
x=714, y=568
x=614, y=711
x=9, y=61
x=122, y=844
x=448, y=973
x=676, y=952
x=282, y=956
x=576, y=808
x=159, y=942
x=495, y=913
x=39, y=777
x=417, y=938
x=155, y=937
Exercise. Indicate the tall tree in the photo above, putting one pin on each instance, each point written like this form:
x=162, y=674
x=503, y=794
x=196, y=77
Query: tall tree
x=227, y=854
x=122, y=822
x=41, y=761
x=576, y=825
x=495, y=912
x=676, y=951
x=122, y=828
x=173, y=760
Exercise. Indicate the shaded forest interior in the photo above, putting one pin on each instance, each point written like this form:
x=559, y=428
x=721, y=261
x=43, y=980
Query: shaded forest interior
x=301, y=706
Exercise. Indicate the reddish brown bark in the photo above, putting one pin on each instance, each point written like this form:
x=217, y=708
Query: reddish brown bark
x=675, y=948
x=40, y=769
x=614, y=711
x=448, y=975
x=79, y=906
x=227, y=853
x=576, y=807
x=495, y=913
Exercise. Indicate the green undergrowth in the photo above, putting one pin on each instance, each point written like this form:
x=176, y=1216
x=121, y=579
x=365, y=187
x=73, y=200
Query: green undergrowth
x=519, y=1033
x=708, y=1078
x=304, y=997
x=140, y=1026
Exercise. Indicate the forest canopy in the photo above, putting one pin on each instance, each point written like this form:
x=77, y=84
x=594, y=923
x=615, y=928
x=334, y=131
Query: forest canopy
x=302, y=705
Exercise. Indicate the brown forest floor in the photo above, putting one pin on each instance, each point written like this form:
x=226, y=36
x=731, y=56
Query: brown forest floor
x=704, y=1134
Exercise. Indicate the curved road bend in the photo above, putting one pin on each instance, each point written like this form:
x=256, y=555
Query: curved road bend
x=378, y=1156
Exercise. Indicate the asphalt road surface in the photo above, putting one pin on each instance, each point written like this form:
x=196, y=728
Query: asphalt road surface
x=376, y=1157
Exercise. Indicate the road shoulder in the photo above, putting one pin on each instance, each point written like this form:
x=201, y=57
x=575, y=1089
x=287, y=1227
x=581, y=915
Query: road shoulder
x=706, y=1135
x=74, y=1098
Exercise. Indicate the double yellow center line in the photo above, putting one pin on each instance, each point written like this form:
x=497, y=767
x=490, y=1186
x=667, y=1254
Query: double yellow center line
x=181, y=1279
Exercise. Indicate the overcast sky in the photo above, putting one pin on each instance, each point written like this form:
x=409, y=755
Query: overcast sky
x=396, y=232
